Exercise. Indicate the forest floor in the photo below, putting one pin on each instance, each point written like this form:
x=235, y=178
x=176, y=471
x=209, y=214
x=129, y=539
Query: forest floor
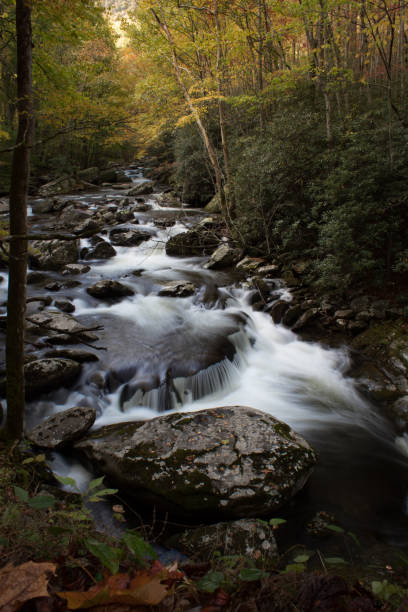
x=53, y=560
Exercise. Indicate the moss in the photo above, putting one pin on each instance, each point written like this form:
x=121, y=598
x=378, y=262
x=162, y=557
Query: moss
x=283, y=430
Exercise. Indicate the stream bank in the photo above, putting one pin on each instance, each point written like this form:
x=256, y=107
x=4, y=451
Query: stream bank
x=148, y=332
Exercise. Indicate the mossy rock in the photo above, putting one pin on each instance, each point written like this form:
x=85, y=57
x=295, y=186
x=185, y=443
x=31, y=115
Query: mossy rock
x=233, y=461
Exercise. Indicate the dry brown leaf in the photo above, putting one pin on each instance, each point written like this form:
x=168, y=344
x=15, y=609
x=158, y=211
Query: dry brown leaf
x=22, y=583
x=143, y=589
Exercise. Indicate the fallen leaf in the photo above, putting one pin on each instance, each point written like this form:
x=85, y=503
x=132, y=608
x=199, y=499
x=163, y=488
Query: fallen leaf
x=22, y=583
x=143, y=589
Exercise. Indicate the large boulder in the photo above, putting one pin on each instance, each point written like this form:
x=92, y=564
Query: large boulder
x=89, y=174
x=53, y=254
x=128, y=237
x=43, y=375
x=141, y=189
x=194, y=242
x=59, y=322
x=249, y=538
x=106, y=289
x=65, y=184
x=63, y=428
x=233, y=461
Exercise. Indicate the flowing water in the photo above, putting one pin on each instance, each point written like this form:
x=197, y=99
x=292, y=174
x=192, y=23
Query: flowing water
x=212, y=349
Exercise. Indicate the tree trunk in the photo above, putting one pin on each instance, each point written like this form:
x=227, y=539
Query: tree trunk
x=16, y=301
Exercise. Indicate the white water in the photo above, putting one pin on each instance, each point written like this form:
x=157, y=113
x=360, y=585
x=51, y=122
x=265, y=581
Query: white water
x=271, y=369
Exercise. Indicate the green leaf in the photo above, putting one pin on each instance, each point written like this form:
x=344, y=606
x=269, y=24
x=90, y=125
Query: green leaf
x=335, y=528
x=211, y=581
x=95, y=483
x=21, y=494
x=139, y=547
x=110, y=557
x=105, y=492
x=29, y=460
x=67, y=481
x=302, y=558
x=277, y=521
x=40, y=458
x=42, y=502
x=249, y=574
x=335, y=561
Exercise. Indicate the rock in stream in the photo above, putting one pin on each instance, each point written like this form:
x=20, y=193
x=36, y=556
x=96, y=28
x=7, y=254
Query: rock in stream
x=232, y=461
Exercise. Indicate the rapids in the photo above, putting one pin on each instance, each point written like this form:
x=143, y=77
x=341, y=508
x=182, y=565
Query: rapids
x=213, y=349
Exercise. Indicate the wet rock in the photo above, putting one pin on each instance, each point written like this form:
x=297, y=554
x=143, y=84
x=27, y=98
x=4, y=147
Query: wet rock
x=180, y=288
x=382, y=365
x=44, y=322
x=306, y=318
x=122, y=177
x=125, y=215
x=191, y=243
x=249, y=264
x=344, y=314
x=142, y=189
x=53, y=286
x=78, y=355
x=142, y=207
x=75, y=269
x=168, y=199
x=89, y=174
x=65, y=306
x=63, y=428
x=72, y=216
x=44, y=375
x=109, y=289
x=4, y=207
x=64, y=185
x=128, y=237
x=44, y=207
x=399, y=413
x=107, y=176
x=87, y=226
x=233, y=461
x=53, y=254
x=292, y=315
x=35, y=278
x=249, y=538
x=222, y=257
x=101, y=250
x=278, y=310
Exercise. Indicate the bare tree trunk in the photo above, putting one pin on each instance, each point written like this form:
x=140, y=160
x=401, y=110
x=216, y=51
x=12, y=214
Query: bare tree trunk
x=16, y=301
x=204, y=135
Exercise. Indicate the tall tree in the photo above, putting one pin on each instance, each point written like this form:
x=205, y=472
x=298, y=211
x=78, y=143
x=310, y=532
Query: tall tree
x=16, y=301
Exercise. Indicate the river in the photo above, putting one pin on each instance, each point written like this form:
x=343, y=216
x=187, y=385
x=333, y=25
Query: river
x=213, y=349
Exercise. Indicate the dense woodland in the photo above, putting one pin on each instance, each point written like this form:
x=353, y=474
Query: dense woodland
x=296, y=112
x=290, y=119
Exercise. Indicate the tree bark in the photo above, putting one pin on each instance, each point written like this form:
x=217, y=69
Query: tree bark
x=20, y=171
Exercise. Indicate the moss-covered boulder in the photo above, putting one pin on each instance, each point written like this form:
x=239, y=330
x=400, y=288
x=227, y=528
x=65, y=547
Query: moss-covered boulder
x=233, y=461
x=62, y=428
x=381, y=360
